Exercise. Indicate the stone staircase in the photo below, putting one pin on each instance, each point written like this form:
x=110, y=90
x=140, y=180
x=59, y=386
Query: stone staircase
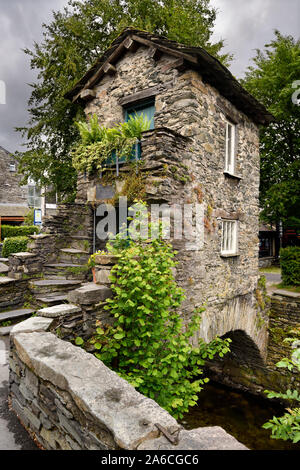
x=65, y=274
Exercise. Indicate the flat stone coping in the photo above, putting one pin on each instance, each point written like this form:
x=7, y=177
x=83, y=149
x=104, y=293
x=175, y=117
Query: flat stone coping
x=287, y=293
x=11, y=314
x=58, y=310
x=33, y=324
x=4, y=260
x=56, y=282
x=24, y=254
x=6, y=280
x=99, y=392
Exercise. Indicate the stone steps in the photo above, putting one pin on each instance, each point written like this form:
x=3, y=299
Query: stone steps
x=13, y=316
x=65, y=270
x=73, y=256
x=52, y=299
x=52, y=286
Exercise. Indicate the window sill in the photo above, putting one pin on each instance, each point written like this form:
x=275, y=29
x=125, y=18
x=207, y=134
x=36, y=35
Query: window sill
x=231, y=175
x=229, y=255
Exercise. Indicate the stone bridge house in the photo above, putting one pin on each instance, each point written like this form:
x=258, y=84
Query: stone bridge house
x=203, y=147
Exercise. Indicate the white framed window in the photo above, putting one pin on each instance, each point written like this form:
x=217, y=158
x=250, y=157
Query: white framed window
x=34, y=196
x=229, y=237
x=230, y=148
x=12, y=167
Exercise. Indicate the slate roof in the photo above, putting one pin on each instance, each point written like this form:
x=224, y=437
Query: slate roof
x=210, y=68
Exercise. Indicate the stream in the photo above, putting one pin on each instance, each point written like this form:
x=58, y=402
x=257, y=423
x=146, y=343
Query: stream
x=240, y=414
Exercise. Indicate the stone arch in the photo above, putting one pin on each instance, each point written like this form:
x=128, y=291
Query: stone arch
x=237, y=314
x=243, y=349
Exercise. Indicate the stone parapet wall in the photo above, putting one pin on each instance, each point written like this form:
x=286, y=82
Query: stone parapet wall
x=68, y=399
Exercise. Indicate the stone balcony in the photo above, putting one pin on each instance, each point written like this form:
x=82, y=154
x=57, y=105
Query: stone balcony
x=163, y=153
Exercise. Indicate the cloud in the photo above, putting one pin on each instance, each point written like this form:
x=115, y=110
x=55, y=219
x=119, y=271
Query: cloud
x=244, y=25
x=250, y=25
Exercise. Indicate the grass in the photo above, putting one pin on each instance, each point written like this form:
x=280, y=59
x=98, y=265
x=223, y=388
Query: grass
x=271, y=269
x=289, y=288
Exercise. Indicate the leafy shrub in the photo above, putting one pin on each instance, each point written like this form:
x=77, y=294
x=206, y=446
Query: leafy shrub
x=8, y=231
x=287, y=427
x=290, y=265
x=148, y=344
x=98, y=144
x=14, y=245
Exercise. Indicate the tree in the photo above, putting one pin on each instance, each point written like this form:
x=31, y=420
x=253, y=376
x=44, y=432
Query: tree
x=74, y=39
x=274, y=80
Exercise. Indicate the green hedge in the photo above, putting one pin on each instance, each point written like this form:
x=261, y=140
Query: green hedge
x=8, y=231
x=290, y=265
x=14, y=245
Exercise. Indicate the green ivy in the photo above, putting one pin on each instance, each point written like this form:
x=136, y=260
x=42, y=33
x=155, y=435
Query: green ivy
x=149, y=344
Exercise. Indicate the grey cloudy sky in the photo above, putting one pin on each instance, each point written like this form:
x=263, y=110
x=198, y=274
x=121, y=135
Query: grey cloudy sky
x=245, y=26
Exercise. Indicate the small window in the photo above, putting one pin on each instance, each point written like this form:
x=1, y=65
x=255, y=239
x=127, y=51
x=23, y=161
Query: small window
x=12, y=167
x=229, y=237
x=146, y=108
x=230, y=146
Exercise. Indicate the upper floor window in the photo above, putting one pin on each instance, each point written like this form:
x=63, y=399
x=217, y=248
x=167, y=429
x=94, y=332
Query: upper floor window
x=12, y=167
x=145, y=108
x=229, y=237
x=230, y=148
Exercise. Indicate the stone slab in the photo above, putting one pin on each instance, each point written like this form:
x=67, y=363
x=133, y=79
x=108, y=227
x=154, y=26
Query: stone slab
x=12, y=314
x=287, y=293
x=206, y=438
x=58, y=310
x=129, y=416
x=33, y=324
x=55, y=282
x=6, y=280
x=5, y=330
x=3, y=268
x=24, y=255
x=89, y=293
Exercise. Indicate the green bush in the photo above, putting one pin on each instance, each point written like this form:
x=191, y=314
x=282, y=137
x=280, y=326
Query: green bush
x=149, y=345
x=8, y=231
x=14, y=245
x=290, y=265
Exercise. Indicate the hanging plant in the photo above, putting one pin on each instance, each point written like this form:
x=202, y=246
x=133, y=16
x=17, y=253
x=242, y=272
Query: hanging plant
x=100, y=144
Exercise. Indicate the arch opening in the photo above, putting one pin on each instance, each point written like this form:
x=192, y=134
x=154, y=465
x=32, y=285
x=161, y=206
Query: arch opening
x=243, y=349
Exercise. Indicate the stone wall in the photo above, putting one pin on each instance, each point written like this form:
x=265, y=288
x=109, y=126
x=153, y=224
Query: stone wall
x=12, y=292
x=184, y=162
x=10, y=191
x=67, y=399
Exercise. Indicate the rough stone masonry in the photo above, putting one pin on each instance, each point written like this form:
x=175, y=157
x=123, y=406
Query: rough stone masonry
x=183, y=161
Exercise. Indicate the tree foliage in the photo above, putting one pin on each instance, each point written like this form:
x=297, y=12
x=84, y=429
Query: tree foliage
x=274, y=79
x=74, y=39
